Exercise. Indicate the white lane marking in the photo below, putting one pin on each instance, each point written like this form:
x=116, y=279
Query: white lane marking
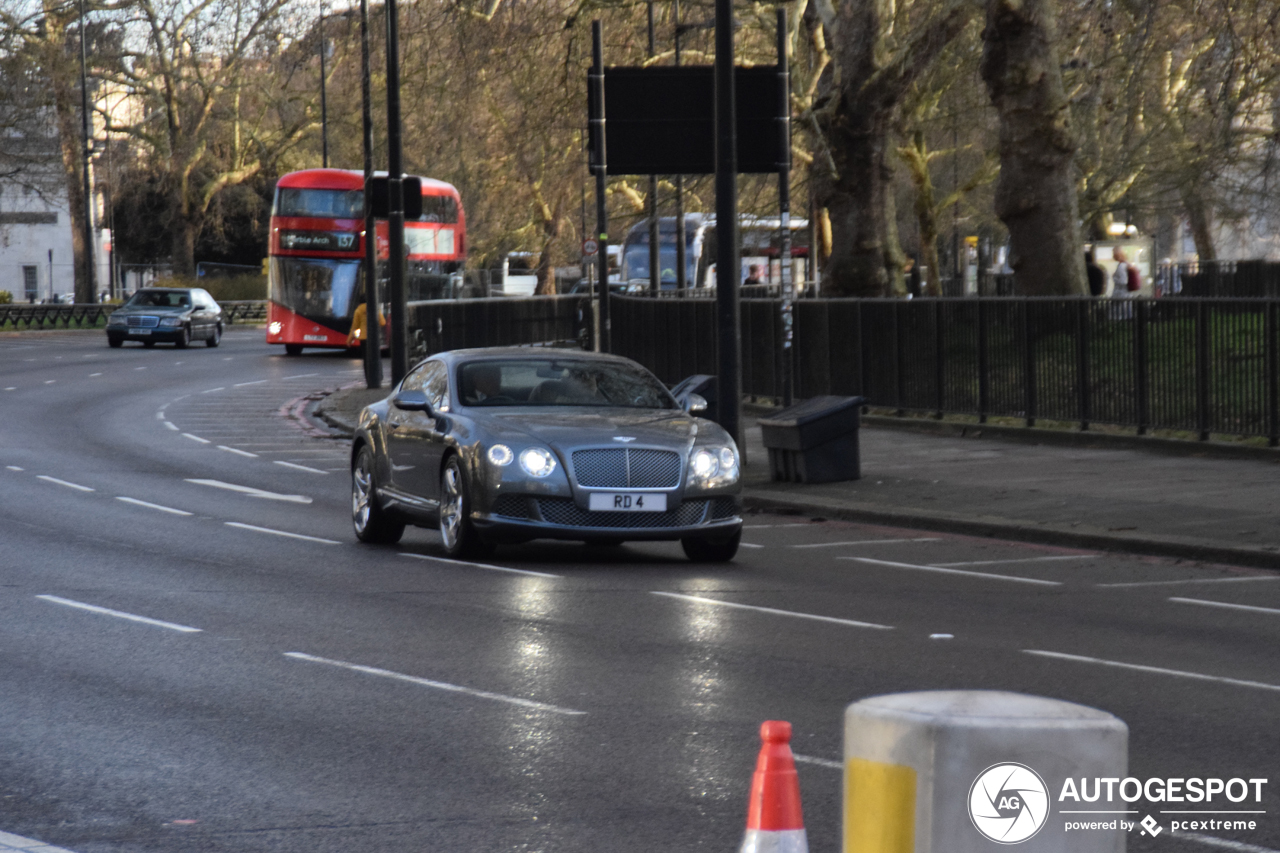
x=49, y=479
x=18, y=844
x=137, y=502
x=765, y=526
x=1224, y=843
x=171, y=425
x=50, y=381
x=254, y=382
x=820, y=762
x=93, y=608
x=717, y=603
x=869, y=542
x=139, y=368
x=302, y=376
x=15, y=468
x=1017, y=560
x=1251, y=608
x=238, y=452
x=211, y=390
x=12, y=388
x=750, y=545
x=942, y=570
x=1199, y=676
x=160, y=415
x=281, y=533
x=479, y=565
x=299, y=467
x=252, y=492
x=942, y=636
x=196, y=438
x=1194, y=580
x=438, y=685
x=91, y=375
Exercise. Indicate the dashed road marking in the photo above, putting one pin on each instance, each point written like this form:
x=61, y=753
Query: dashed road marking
x=297, y=467
x=284, y=533
x=55, y=480
x=1248, y=607
x=132, y=617
x=947, y=571
x=196, y=438
x=479, y=565
x=870, y=542
x=137, y=502
x=1158, y=670
x=1018, y=560
x=696, y=599
x=249, y=491
x=437, y=685
x=237, y=451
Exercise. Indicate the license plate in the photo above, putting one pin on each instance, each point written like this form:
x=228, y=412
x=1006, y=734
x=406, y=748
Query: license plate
x=627, y=502
x=139, y=331
x=315, y=337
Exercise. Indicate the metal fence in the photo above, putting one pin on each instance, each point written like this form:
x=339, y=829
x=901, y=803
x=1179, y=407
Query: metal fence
x=444, y=324
x=1240, y=279
x=1198, y=365
x=89, y=316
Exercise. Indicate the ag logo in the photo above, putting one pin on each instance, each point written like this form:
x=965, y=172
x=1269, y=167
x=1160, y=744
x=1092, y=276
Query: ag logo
x=1008, y=803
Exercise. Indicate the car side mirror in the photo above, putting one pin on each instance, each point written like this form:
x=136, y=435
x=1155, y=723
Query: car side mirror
x=411, y=401
x=695, y=403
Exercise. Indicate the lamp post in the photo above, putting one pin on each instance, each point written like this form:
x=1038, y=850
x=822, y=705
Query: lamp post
x=324, y=100
x=728, y=320
x=86, y=151
x=373, y=305
x=395, y=201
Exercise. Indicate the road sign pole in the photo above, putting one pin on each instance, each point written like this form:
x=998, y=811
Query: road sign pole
x=599, y=166
x=728, y=319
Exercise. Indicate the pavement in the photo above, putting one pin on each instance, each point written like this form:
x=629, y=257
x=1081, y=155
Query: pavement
x=1214, y=502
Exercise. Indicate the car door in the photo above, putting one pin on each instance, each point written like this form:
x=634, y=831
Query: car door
x=414, y=440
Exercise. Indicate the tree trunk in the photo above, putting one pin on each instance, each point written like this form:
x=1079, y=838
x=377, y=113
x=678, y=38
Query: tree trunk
x=855, y=199
x=1036, y=191
x=66, y=108
x=182, y=234
x=1200, y=217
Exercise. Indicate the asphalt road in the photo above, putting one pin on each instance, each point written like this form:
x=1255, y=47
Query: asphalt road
x=253, y=679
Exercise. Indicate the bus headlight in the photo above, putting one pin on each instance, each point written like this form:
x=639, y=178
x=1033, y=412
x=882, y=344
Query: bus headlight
x=537, y=462
x=275, y=327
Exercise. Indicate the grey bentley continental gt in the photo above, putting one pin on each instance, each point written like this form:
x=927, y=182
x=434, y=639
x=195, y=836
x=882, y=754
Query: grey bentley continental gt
x=513, y=444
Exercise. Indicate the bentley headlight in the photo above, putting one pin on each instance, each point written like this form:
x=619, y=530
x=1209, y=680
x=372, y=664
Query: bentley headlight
x=704, y=464
x=713, y=467
x=502, y=456
x=537, y=462
x=170, y=321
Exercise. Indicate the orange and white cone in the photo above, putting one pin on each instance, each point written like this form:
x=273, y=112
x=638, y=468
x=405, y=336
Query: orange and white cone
x=774, y=821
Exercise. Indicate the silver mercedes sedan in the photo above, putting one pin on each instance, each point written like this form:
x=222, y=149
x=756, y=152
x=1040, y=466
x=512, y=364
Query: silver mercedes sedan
x=513, y=444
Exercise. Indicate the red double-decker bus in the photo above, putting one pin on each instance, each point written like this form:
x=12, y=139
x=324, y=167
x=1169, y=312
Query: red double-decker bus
x=316, y=252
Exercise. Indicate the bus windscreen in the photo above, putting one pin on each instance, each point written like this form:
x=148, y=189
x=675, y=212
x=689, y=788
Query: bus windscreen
x=315, y=288
x=330, y=204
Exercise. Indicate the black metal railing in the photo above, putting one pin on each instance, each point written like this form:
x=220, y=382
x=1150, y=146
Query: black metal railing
x=446, y=324
x=1191, y=364
x=90, y=316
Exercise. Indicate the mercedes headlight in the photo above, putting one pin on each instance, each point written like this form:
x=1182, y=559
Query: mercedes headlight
x=170, y=321
x=712, y=467
x=537, y=462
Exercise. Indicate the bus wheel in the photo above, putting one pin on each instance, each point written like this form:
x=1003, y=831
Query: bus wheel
x=372, y=523
x=293, y=349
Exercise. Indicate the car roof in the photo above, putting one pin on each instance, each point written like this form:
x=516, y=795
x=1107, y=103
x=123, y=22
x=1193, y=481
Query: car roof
x=531, y=353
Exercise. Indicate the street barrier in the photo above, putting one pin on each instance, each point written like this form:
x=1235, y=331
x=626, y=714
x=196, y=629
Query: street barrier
x=968, y=771
x=775, y=823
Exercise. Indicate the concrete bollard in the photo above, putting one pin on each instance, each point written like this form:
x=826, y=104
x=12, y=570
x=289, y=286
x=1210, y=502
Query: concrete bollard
x=975, y=770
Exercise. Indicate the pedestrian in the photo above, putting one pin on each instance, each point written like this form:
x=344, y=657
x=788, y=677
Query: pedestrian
x=1097, y=275
x=754, y=274
x=1123, y=309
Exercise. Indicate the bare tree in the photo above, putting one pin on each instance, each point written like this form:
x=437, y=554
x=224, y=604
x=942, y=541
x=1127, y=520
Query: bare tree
x=1036, y=191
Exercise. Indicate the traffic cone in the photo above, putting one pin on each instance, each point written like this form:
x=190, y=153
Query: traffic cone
x=774, y=821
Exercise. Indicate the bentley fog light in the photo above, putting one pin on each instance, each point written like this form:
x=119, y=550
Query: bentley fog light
x=501, y=456
x=537, y=462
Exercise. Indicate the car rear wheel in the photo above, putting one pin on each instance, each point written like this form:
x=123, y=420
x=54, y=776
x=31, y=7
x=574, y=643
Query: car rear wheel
x=372, y=523
x=215, y=337
x=711, y=550
x=184, y=337
x=459, y=535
